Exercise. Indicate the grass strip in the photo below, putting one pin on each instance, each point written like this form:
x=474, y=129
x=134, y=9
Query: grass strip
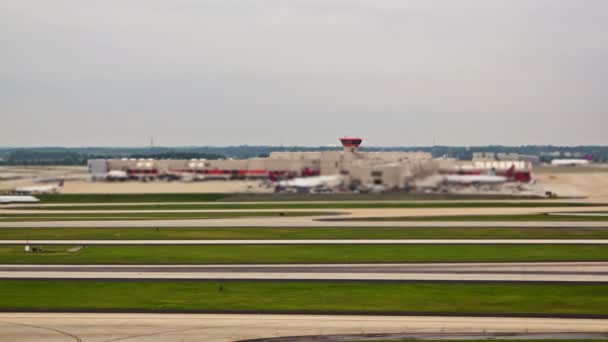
x=126, y=198
x=252, y=233
x=150, y=215
x=294, y=254
x=307, y=297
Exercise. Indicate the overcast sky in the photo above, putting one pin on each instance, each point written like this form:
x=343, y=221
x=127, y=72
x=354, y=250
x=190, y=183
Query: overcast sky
x=460, y=72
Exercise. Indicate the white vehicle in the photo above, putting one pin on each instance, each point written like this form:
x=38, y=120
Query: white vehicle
x=18, y=199
x=39, y=189
x=309, y=183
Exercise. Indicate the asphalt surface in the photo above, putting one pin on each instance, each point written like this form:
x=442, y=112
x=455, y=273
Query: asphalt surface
x=60, y=327
x=541, y=271
x=330, y=213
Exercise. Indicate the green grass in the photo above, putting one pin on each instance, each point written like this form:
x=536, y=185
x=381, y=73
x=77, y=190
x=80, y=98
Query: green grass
x=125, y=198
x=517, y=218
x=286, y=254
x=303, y=297
x=386, y=196
x=101, y=216
x=178, y=233
x=312, y=205
x=212, y=197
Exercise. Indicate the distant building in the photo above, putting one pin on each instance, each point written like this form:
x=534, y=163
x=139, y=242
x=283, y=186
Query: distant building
x=387, y=169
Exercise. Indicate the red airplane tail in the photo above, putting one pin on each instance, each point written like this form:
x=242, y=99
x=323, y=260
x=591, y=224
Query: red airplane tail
x=510, y=172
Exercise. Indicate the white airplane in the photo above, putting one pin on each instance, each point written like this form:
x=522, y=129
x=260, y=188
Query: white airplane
x=330, y=182
x=116, y=175
x=569, y=162
x=475, y=179
x=18, y=199
x=486, y=178
x=40, y=189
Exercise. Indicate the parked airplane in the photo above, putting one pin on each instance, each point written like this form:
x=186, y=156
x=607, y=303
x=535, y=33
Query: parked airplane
x=40, y=189
x=119, y=175
x=475, y=179
x=569, y=162
x=310, y=183
x=18, y=199
x=490, y=178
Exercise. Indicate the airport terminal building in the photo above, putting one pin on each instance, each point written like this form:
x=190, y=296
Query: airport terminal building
x=386, y=169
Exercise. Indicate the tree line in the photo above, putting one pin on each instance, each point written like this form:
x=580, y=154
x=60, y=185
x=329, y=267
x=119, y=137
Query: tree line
x=80, y=155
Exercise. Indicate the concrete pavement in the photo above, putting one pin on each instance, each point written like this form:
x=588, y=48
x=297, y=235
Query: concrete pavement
x=59, y=327
x=532, y=271
x=349, y=212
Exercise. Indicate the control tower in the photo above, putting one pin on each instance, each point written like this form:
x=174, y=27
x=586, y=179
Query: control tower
x=351, y=145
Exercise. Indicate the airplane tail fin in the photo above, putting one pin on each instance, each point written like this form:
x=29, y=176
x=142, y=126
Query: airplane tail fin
x=510, y=172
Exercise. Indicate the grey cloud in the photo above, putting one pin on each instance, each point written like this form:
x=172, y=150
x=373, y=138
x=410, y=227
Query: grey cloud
x=303, y=72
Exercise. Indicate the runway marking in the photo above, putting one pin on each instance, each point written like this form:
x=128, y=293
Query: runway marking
x=65, y=333
x=182, y=330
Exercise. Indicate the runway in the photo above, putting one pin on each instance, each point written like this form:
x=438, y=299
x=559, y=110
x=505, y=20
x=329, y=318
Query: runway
x=317, y=242
x=327, y=212
x=323, y=214
x=60, y=327
x=295, y=222
x=533, y=272
x=195, y=327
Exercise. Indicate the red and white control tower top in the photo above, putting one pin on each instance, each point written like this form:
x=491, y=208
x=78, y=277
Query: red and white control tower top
x=351, y=144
